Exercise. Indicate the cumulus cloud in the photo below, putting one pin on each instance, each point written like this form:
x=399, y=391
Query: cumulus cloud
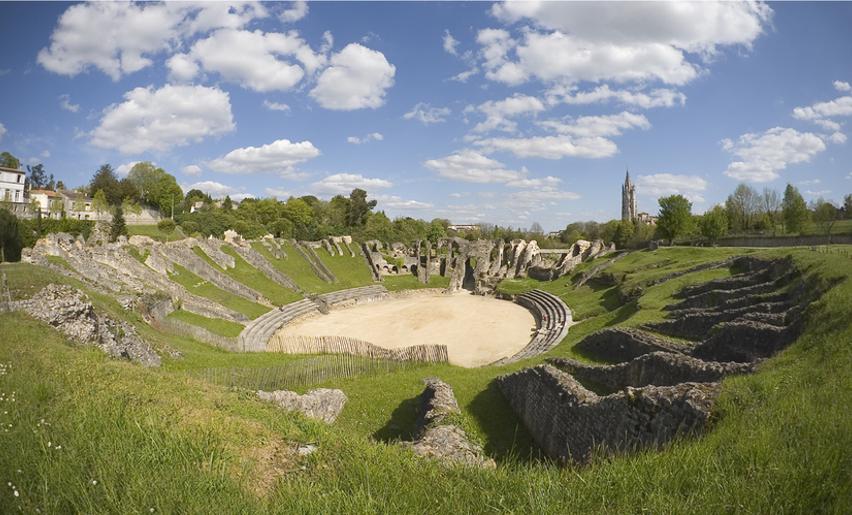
x=215, y=189
x=636, y=41
x=841, y=106
x=373, y=136
x=837, y=137
x=450, y=43
x=65, y=103
x=182, y=68
x=592, y=126
x=499, y=114
x=191, y=170
x=279, y=156
x=276, y=106
x=297, y=11
x=159, y=119
x=346, y=182
x=471, y=166
x=278, y=193
x=661, y=184
x=662, y=97
x=551, y=147
x=2, y=131
x=255, y=60
x=426, y=114
x=124, y=168
x=119, y=38
x=396, y=202
x=762, y=156
x=357, y=78
x=842, y=86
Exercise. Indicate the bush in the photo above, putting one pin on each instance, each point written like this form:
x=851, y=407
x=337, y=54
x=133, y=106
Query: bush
x=167, y=225
x=10, y=237
x=190, y=227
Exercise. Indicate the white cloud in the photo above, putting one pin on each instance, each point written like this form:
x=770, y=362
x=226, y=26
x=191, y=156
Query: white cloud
x=450, y=43
x=124, y=169
x=763, y=156
x=357, y=78
x=661, y=184
x=841, y=106
x=65, y=103
x=278, y=193
x=427, y=114
x=2, y=131
x=297, y=11
x=191, y=170
x=159, y=119
x=275, y=106
x=182, y=68
x=551, y=147
x=810, y=182
x=661, y=97
x=346, y=182
x=119, y=38
x=395, y=202
x=214, y=189
x=465, y=75
x=635, y=41
x=593, y=126
x=255, y=60
x=279, y=156
x=837, y=137
x=828, y=125
x=373, y=136
x=498, y=113
x=842, y=86
x=532, y=199
x=471, y=166
x=818, y=193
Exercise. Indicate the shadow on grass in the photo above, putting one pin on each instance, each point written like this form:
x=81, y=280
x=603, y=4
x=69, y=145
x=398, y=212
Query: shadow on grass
x=400, y=427
x=506, y=437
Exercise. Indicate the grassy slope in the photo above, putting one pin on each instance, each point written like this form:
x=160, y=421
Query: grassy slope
x=771, y=450
x=199, y=286
x=214, y=325
x=253, y=278
x=349, y=272
x=154, y=232
x=409, y=282
x=295, y=267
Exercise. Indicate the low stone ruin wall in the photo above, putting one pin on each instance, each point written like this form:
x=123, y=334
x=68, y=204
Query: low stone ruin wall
x=623, y=344
x=355, y=347
x=570, y=423
x=437, y=437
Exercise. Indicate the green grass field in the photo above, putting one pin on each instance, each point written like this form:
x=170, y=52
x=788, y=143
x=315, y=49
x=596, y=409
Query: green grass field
x=133, y=439
x=295, y=267
x=199, y=286
x=349, y=272
x=409, y=282
x=152, y=231
x=214, y=325
x=253, y=278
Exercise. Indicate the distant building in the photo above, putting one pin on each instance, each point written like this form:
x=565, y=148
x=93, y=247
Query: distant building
x=48, y=202
x=646, y=219
x=463, y=227
x=197, y=205
x=12, y=185
x=79, y=206
x=628, y=200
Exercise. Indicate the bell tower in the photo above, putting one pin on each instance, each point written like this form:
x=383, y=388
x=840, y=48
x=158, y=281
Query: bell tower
x=628, y=199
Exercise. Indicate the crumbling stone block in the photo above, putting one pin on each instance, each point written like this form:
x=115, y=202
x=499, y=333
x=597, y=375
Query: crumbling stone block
x=321, y=404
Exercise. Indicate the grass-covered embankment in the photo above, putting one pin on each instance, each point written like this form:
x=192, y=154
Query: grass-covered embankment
x=203, y=288
x=779, y=443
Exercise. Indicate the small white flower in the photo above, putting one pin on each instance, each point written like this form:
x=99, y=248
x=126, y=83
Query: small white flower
x=48, y=444
x=94, y=481
x=16, y=493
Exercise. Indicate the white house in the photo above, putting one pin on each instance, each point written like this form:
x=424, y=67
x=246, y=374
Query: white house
x=12, y=185
x=49, y=203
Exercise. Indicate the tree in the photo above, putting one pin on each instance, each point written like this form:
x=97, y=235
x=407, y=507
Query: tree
x=10, y=237
x=105, y=180
x=100, y=203
x=56, y=206
x=623, y=233
x=9, y=161
x=60, y=186
x=794, y=209
x=826, y=215
x=118, y=226
x=675, y=217
x=436, y=231
x=156, y=187
x=359, y=208
x=130, y=206
x=847, y=205
x=227, y=204
x=770, y=203
x=167, y=225
x=742, y=206
x=536, y=228
x=37, y=177
x=714, y=224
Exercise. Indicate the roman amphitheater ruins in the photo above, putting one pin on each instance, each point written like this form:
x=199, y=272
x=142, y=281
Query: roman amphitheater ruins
x=654, y=387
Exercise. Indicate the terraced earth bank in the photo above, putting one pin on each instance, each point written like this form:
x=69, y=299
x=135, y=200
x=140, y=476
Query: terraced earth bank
x=679, y=379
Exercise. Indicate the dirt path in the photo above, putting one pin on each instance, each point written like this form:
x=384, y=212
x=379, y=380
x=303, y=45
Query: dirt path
x=476, y=330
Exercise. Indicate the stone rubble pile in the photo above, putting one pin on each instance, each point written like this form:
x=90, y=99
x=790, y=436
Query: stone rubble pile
x=69, y=311
x=658, y=389
x=436, y=437
x=322, y=404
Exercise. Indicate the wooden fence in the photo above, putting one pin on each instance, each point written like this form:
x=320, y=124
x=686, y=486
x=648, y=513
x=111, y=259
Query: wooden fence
x=355, y=347
x=305, y=372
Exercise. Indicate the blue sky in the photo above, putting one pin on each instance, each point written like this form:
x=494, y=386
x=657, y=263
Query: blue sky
x=505, y=113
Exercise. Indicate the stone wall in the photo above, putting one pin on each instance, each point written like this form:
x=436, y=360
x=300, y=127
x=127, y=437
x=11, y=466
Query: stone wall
x=570, y=423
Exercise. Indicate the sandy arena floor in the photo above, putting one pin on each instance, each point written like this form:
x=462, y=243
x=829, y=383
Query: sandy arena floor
x=476, y=330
